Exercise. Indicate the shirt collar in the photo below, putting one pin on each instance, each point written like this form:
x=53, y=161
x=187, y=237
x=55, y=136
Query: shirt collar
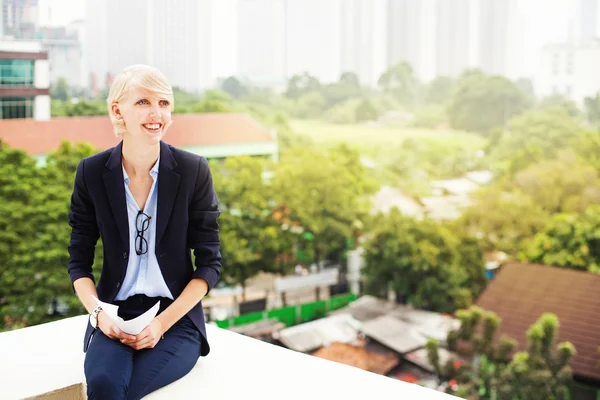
x=153, y=171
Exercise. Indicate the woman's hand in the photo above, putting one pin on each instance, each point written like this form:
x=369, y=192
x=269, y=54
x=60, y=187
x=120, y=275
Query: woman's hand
x=147, y=338
x=110, y=329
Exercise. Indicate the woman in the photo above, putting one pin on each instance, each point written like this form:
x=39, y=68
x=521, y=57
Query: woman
x=151, y=203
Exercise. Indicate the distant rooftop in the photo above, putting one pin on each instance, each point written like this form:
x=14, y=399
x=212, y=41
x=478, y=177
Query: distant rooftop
x=521, y=293
x=188, y=131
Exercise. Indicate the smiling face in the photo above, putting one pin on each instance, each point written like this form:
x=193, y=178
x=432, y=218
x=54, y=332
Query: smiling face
x=146, y=116
x=140, y=103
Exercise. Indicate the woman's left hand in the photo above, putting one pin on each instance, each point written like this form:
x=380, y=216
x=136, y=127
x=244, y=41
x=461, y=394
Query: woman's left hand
x=147, y=338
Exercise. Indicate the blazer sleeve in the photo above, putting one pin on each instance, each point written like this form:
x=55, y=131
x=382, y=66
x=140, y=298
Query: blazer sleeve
x=84, y=229
x=203, y=229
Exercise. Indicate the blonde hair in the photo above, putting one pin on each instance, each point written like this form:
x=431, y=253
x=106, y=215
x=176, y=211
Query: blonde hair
x=134, y=77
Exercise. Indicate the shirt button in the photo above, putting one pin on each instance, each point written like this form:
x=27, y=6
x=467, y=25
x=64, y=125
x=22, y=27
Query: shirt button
x=125, y=255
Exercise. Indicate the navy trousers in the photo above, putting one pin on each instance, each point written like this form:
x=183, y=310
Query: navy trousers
x=115, y=371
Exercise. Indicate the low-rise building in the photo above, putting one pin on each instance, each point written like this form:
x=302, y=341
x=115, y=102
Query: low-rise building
x=24, y=81
x=520, y=293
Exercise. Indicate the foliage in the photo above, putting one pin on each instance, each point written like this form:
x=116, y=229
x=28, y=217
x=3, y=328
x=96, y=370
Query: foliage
x=430, y=116
x=592, y=110
x=561, y=103
x=533, y=137
x=34, y=203
x=563, y=184
x=481, y=103
x=252, y=239
x=324, y=192
x=213, y=101
x=486, y=369
x=440, y=90
x=60, y=90
x=233, y=87
x=569, y=241
x=422, y=261
x=588, y=147
x=299, y=85
x=504, y=220
x=78, y=108
x=400, y=81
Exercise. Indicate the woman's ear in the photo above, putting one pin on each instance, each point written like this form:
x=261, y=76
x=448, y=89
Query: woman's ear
x=116, y=111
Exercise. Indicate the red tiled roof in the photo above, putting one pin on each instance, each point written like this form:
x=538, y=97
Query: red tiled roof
x=41, y=137
x=521, y=293
x=358, y=357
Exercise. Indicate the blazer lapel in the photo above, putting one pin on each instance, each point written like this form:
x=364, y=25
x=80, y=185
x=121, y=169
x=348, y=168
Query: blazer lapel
x=115, y=191
x=168, y=184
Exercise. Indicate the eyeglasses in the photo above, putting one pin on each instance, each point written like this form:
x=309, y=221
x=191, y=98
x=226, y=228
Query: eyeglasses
x=141, y=244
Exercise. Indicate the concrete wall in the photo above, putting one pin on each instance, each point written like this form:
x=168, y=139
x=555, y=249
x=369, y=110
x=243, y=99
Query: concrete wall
x=47, y=361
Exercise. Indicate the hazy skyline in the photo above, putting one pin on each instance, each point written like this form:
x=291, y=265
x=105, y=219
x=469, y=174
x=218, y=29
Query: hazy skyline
x=547, y=22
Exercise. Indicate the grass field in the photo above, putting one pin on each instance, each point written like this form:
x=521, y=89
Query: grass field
x=374, y=138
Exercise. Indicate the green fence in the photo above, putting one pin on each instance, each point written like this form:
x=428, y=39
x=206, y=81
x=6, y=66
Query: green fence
x=293, y=315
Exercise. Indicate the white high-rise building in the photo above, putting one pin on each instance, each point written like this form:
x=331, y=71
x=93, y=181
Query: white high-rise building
x=411, y=35
x=171, y=35
x=313, y=38
x=363, y=33
x=587, y=16
x=456, y=38
x=262, y=41
x=500, y=37
x=568, y=70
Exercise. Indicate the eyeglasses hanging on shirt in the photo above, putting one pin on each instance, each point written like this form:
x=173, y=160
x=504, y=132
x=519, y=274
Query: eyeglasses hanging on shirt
x=142, y=222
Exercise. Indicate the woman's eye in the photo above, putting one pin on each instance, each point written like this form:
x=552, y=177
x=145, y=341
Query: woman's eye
x=164, y=103
x=142, y=102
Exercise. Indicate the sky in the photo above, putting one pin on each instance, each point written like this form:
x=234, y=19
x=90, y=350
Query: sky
x=547, y=21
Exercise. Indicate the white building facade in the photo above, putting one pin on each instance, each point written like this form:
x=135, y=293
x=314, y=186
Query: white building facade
x=570, y=70
x=173, y=36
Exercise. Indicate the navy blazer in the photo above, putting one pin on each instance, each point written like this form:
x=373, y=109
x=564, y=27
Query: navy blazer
x=187, y=214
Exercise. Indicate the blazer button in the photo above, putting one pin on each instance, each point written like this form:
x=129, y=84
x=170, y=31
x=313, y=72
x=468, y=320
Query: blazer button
x=125, y=255
x=118, y=285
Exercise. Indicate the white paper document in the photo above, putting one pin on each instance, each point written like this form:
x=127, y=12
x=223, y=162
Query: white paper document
x=133, y=326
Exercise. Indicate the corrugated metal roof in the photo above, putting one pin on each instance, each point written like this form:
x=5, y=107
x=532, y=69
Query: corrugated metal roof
x=398, y=335
x=322, y=332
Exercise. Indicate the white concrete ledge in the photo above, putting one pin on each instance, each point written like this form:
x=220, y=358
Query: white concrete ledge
x=47, y=360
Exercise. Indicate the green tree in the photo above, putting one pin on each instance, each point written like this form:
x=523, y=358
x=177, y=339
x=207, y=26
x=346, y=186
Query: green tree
x=400, y=81
x=213, y=101
x=504, y=219
x=302, y=84
x=350, y=78
x=489, y=372
x=588, y=147
x=558, y=101
x=366, y=111
x=568, y=241
x=252, y=239
x=533, y=137
x=60, y=90
x=592, y=109
x=563, y=184
x=310, y=105
x=420, y=261
x=84, y=108
x=233, y=87
x=481, y=103
x=325, y=192
x=37, y=234
x=440, y=90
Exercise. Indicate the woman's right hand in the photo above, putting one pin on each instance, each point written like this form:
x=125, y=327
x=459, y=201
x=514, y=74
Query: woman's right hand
x=110, y=329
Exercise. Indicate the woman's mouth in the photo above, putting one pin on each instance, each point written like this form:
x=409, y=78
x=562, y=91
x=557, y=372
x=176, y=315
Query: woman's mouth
x=154, y=127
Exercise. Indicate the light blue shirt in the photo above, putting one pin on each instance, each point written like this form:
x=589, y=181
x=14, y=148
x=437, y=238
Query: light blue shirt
x=143, y=273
